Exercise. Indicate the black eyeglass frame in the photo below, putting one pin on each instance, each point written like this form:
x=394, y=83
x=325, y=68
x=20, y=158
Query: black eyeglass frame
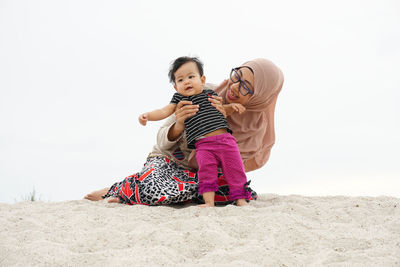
x=242, y=84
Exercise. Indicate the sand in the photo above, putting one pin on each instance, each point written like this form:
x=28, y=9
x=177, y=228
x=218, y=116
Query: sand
x=272, y=231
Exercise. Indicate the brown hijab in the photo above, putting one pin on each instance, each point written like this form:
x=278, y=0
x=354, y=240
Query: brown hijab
x=254, y=129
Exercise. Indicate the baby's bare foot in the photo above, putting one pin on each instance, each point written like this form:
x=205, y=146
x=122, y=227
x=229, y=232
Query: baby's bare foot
x=207, y=205
x=114, y=200
x=96, y=195
x=241, y=202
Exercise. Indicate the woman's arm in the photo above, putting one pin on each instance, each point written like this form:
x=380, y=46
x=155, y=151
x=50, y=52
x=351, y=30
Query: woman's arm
x=171, y=131
x=158, y=114
x=163, y=143
x=184, y=110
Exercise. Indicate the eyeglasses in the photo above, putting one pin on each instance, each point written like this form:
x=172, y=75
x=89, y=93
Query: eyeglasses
x=244, y=88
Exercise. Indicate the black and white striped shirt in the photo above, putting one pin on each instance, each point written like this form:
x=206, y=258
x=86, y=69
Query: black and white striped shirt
x=206, y=120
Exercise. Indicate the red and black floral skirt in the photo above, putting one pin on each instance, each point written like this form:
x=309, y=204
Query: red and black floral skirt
x=162, y=181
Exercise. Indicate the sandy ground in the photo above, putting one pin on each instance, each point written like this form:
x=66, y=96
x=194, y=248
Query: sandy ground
x=272, y=231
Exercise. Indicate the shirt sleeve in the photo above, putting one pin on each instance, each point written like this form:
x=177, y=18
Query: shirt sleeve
x=176, y=98
x=162, y=135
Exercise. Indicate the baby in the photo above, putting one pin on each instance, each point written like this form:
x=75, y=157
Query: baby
x=207, y=131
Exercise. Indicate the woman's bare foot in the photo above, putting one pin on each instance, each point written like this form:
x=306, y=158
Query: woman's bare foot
x=241, y=202
x=97, y=195
x=114, y=200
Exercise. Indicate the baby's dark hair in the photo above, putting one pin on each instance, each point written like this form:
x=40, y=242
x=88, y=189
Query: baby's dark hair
x=179, y=62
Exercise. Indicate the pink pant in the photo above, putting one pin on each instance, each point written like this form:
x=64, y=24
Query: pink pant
x=220, y=151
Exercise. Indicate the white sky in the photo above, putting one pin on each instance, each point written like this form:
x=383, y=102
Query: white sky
x=75, y=75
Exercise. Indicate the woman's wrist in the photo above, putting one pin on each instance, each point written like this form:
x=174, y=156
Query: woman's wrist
x=175, y=131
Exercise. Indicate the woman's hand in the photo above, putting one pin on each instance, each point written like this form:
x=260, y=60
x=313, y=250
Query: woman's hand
x=183, y=110
x=216, y=102
x=234, y=107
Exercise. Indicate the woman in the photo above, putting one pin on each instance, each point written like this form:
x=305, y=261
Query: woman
x=168, y=175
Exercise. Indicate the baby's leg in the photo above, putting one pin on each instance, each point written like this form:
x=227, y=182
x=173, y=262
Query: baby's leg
x=241, y=202
x=207, y=173
x=233, y=169
x=208, y=199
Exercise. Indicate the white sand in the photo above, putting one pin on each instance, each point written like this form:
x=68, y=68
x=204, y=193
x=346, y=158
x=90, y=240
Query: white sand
x=273, y=231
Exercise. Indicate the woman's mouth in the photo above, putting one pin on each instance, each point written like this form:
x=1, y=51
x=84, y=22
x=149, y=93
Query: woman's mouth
x=230, y=95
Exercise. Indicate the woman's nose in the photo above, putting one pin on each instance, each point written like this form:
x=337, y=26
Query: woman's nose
x=235, y=87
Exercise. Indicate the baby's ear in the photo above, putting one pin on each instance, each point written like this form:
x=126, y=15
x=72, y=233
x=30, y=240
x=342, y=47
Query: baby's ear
x=176, y=89
x=203, y=79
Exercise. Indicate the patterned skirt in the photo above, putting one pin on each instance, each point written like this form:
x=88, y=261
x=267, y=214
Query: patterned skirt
x=162, y=181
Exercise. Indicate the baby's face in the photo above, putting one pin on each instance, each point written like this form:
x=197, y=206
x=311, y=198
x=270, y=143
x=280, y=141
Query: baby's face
x=188, y=80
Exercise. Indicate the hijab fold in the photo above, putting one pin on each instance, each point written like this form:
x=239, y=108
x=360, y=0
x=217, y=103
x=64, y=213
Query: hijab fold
x=254, y=129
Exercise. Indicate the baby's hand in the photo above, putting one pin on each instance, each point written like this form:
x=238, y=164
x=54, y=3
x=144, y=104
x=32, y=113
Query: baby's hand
x=238, y=108
x=143, y=119
x=234, y=107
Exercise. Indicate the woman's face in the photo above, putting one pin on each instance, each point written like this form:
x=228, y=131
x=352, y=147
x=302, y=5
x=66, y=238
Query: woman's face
x=233, y=94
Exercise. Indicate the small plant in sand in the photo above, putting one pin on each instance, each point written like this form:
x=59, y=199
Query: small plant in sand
x=31, y=196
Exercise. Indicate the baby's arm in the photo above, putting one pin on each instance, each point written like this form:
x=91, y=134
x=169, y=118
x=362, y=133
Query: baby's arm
x=226, y=109
x=234, y=107
x=158, y=114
